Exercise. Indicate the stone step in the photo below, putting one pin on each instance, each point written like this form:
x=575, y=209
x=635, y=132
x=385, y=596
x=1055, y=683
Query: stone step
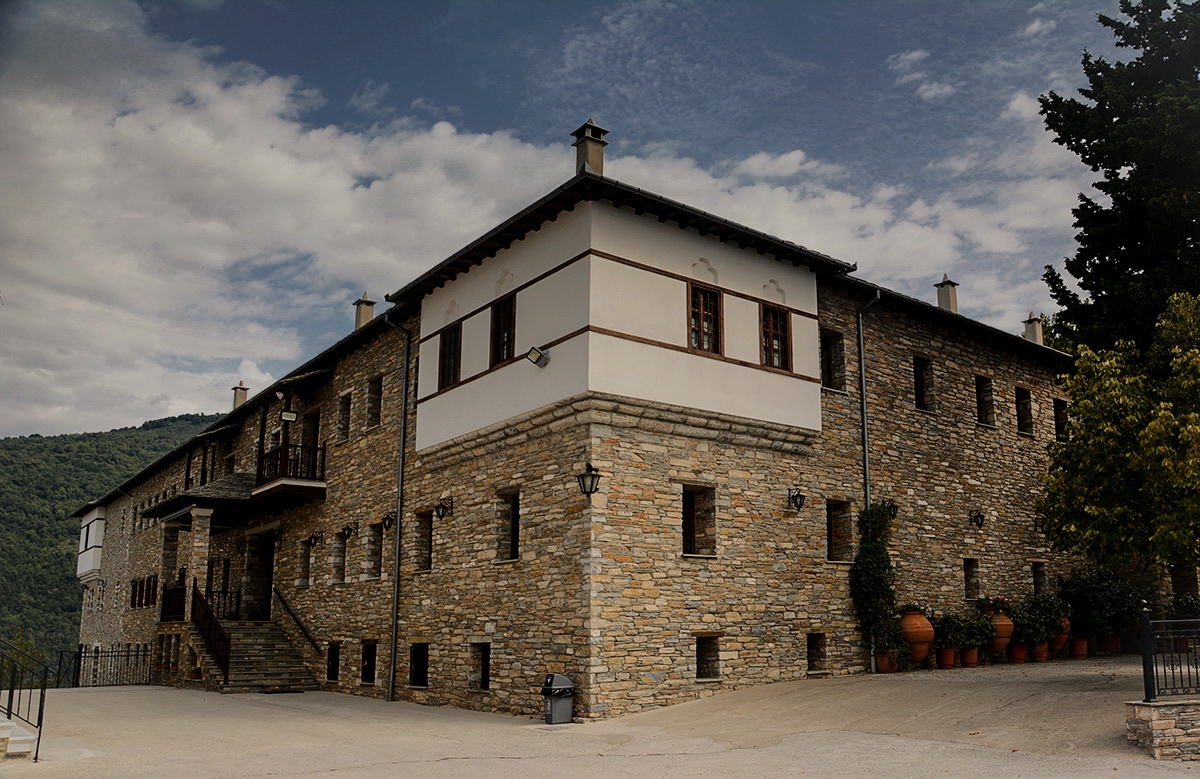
x=21, y=740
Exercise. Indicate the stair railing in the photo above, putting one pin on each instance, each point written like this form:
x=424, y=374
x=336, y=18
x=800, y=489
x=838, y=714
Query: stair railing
x=210, y=629
x=23, y=687
x=288, y=608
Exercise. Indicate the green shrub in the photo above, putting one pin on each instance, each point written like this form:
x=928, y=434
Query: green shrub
x=872, y=577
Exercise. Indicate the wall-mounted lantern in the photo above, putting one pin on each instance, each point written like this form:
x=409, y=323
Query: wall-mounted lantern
x=314, y=539
x=589, y=480
x=796, y=498
x=350, y=529
x=976, y=518
x=892, y=506
x=538, y=357
x=444, y=508
x=388, y=520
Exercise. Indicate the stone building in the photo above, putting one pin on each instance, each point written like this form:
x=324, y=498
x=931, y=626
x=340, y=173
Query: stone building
x=403, y=515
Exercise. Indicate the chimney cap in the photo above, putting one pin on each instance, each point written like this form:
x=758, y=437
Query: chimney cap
x=946, y=281
x=590, y=129
x=364, y=300
x=1033, y=318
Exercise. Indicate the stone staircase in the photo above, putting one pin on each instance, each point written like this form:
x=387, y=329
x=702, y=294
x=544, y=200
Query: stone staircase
x=16, y=741
x=262, y=659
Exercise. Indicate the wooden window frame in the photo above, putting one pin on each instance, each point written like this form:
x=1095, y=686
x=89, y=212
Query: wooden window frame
x=450, y=356
x=696, y=328
x=833, y=360
x=767, y=329
x=504, y=330
x=985, y=400
x=1023, y=402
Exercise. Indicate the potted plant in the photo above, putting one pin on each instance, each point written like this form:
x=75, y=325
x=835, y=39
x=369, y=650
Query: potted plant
x=1061, y=626
x=918, y=629
x=1102, y=605
x=997, y=607
x=978, y=631
x=948, y=635
x=1032, y=620
x=891, y=650
x=872, y=577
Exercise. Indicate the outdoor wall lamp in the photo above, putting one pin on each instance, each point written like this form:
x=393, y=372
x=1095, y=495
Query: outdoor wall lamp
x=537, y=356
x=892, y=506
x=589, y=480
x=240, y=545
x=350, y=529
x=796, y=498
x=976, y=518
x=388, y=520
x=444, y=508
x=275, y=534
x=314, y=539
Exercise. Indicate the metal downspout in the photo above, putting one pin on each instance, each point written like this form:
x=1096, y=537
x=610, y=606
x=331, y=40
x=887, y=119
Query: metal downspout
x=391, y=694
x=862, y=397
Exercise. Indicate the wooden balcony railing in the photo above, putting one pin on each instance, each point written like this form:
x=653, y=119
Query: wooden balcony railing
x=295, y=461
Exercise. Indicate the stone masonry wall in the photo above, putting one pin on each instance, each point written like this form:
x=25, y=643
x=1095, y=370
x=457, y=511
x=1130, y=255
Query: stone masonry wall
x=1166, y=730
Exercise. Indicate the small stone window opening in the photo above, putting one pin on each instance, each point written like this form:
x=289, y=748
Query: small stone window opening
x=374, y=401
x=923, y=383
x=303, y=564
x=708, y=657
x=367, y=672
x=479, y=675
x=418, y=665
x=985, y=405
x=373, y=541
x=970, y=578
x=423, y=554
x=333, y=662
x=225, y=565
x=508, y=536
x=1041, y=580
x=337, y=556
x=699, y=521
x=1060, y=419
x=343, y=418
x=833, y=360
x=838, y=524
x=1024, y=411
x=815, y=652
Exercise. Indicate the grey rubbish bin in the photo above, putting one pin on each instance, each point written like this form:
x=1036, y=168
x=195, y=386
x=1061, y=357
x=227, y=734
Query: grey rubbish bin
x=559, y=693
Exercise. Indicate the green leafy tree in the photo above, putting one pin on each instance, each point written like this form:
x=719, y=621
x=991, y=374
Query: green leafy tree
x=873, y=578
x=1138, y=127
x=1125, y=486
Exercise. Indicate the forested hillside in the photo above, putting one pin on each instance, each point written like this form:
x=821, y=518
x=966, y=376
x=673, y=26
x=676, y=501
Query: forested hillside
x=43, y=480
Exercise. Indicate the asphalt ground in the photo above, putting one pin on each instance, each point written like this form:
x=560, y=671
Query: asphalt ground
x=1059, y=719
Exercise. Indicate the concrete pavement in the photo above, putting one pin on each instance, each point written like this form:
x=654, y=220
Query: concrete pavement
x=1059, y=719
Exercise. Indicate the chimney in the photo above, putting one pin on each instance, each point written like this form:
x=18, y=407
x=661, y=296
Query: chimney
x=364, y=311
x=589, y=148
x=947, y=295
x=1033, y=328
x=239, y=393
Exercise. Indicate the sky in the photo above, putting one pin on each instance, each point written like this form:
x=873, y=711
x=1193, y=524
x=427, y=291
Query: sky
x=192, y=194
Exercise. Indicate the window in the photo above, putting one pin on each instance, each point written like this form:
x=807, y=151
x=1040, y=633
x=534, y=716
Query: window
x=504, y=329
x=814, y=645
x=418, y=665
x=337, y=553
x=367, y=673
x=705, y=320
x=450, y=357
x=374, y=544
x=423, y=560
x=970, y=578
x=708, y=657
x=374, y=401
x=776, y=351
x=839, y=546
x=1024, y=411
x=508, y=539
x=1060, y=419
x=833, y=360
x=923, y=383
x=985, y=409
x=479, y=676
x=699, y=521
x=343, y=421
x=333, y=662
x=1041, y=582
x=303, y=564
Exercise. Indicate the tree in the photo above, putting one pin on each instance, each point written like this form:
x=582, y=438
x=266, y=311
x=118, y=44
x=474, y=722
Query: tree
x=1141, y=241
x=1125, y=486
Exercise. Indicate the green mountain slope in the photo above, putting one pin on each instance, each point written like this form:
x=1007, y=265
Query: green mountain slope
x=43, y=480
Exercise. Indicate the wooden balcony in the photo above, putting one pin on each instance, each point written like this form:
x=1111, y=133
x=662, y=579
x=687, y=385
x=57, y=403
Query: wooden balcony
x=295, y=469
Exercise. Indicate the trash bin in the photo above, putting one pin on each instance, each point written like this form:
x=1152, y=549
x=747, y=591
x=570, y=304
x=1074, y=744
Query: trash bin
x=559, y=693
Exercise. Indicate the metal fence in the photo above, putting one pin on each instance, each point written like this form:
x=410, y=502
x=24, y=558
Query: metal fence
x=97, y=667
x=1170, y=656
x=23, y=681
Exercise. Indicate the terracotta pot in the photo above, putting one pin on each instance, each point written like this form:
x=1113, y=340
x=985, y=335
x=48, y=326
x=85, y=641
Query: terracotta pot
x=1016, y=652
x=1079, y=648
x=1039, y=651
x=945, y=658
x=918, y=632
x=969, y=656
x=885, y=663
x=1004, y=629
x=1060, y=638
x=1110, y=644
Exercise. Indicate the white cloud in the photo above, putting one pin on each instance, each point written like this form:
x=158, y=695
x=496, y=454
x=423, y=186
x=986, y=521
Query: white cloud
x=1039, y=27
x=904, y=65
x=369, y=99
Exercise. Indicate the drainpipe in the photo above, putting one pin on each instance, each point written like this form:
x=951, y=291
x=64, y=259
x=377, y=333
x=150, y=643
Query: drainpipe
x=862, y=397
x=391, y=696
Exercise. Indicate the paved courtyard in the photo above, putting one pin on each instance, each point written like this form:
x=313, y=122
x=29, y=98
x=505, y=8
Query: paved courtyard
x=1059, y=719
